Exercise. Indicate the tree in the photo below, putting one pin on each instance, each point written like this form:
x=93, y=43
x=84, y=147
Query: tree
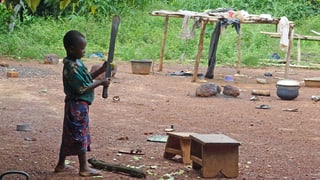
x=33, y=4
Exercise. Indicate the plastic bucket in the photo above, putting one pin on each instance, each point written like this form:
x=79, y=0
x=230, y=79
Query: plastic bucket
x=141, y=66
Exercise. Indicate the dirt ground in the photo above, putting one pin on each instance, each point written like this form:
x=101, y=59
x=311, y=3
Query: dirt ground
x=275, y=144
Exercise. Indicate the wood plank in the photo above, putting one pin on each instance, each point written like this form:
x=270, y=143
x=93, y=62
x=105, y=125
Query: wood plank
x=196, y=159
x=315, y=32
x=183, y=135
x=296, y=36
x=213, y=139
x=214, y=17
x=186, y=150
x=173, y=151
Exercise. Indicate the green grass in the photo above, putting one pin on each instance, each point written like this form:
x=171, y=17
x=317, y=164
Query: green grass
x=140, y=37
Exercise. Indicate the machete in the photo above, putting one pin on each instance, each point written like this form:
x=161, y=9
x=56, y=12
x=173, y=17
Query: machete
x=114, y=31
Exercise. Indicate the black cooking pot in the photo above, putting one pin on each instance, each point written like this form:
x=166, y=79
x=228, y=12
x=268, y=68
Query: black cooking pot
x=287, y=89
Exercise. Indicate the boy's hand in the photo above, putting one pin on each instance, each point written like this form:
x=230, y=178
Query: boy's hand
x=104, y=65
x=105, y=82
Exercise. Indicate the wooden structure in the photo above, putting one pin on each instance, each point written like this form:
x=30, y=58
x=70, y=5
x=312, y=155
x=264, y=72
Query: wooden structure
x=298, y=37
x=178, y=143
x=213, y=154
x=208, y=16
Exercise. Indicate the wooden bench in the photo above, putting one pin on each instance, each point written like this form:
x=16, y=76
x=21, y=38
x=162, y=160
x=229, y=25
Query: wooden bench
x=178, y=143
x=213, y=154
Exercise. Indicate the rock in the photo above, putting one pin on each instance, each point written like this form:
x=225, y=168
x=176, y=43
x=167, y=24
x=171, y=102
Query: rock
x=208, y=89
x=103, y=75
x=231, y=91
x=4, y=64
x=51, y=59
x=261, y=81
x=315, y=98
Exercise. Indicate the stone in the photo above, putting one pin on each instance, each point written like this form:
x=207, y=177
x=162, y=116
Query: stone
x=208, y=89
x=4, y=64
x=51, y=59
x=261, y=81
x=231, y=91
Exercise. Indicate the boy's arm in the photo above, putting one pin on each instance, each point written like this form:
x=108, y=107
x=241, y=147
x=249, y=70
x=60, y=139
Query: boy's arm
x=102, y=82
x=99, y=71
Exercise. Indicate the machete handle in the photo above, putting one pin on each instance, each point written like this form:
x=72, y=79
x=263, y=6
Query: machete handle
x=108, y=75
x=105, y=92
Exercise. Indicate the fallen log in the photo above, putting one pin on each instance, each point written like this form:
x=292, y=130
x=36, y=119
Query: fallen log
x=117, y=168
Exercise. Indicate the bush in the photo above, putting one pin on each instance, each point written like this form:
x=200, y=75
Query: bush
x=4, y=18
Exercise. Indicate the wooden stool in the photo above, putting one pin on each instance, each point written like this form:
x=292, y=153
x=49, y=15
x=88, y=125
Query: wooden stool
x=214, y=154
x=178, y=143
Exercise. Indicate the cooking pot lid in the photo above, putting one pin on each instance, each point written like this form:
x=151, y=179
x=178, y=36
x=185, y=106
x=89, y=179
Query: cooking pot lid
x=288, y=82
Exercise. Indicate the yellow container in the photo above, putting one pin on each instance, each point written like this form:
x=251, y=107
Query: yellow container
x=312, y=82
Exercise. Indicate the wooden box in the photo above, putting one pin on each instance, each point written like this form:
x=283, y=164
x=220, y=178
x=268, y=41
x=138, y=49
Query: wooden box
x=12, y=74
x=213, y=154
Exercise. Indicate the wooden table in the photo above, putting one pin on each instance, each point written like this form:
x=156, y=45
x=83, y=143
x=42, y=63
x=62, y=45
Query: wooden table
x=213, y=154
x=178, y=143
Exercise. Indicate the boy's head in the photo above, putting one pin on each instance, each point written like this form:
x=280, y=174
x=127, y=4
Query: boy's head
x=74, y=43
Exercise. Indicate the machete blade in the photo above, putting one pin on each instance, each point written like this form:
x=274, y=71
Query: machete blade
x=114, y=31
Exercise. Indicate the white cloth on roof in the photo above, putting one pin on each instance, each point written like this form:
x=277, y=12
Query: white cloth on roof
x=186, y=31
x=283, y=29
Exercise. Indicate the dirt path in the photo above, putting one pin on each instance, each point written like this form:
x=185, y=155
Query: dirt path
x=275, y=144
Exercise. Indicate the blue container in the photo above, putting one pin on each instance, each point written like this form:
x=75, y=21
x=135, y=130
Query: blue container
x=228, y=78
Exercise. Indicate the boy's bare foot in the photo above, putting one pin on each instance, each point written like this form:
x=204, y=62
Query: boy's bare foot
x=63, y=168
x=90, y=172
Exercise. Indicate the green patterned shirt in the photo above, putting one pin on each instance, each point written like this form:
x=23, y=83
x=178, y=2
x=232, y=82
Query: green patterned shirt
x=76, y=78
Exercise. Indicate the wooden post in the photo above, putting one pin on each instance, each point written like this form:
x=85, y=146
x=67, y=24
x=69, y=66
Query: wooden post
x=164, y=37
x=239, y=52
x=289, y=51
x=200, y=47
x=299, y=51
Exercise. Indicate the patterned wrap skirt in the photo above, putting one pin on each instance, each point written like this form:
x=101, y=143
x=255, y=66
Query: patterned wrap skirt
x=76, y=135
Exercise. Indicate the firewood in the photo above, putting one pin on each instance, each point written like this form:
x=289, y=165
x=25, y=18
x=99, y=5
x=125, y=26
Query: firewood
x=117, y=168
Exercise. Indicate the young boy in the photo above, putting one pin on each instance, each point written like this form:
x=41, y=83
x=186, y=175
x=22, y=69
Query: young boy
x=79, y=90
